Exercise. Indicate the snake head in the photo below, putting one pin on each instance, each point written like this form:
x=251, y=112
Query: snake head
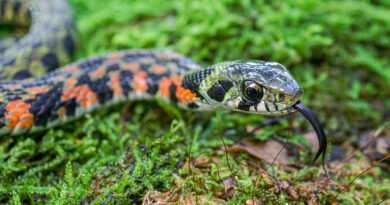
x=251, y=86
x=259, y=87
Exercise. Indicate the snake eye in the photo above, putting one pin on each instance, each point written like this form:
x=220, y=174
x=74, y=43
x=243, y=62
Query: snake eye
x=281, y=97
x=252, y=91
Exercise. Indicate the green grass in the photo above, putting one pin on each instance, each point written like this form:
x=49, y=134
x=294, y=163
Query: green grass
x=337, y=50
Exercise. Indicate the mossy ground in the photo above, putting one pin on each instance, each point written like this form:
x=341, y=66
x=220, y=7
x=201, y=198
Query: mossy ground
x=338, y=51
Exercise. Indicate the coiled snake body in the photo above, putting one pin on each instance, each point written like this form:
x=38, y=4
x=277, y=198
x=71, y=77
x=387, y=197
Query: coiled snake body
x=35, y=95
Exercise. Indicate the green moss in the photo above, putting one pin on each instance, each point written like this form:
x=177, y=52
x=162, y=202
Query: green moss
x=337, y=50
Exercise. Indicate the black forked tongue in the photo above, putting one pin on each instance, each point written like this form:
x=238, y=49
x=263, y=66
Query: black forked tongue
x=317, y=127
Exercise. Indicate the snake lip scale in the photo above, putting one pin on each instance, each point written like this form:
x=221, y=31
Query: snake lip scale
x=39, y=89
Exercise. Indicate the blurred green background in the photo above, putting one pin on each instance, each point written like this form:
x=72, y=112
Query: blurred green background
x=338, y=50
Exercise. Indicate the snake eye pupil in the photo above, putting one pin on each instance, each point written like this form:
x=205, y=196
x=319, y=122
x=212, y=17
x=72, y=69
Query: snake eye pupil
x=252, y=91
x=281, y=97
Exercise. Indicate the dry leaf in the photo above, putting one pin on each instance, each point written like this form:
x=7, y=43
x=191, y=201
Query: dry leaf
x=313, y=139
x=203, y=161
x=250, y=129
x=156, y=197
x=254, y=202
x=267, y=150
x=230, y=186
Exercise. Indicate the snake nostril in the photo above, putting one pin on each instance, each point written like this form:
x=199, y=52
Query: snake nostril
x=298, y=94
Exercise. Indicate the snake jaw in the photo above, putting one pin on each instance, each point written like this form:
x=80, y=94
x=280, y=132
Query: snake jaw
x=302, y=108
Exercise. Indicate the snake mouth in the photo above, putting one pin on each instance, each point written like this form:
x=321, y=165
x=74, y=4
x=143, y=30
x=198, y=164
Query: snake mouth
x=300, y=107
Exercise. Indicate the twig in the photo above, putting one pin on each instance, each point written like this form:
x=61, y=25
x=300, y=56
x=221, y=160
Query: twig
x=220, y=181
x=285, y=143
x=193, y=170
x=226, y=153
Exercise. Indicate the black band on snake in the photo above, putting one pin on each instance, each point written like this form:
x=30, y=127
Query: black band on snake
x=37, y=93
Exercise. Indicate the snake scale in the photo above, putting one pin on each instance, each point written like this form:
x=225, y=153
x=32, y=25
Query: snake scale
x=37, y=93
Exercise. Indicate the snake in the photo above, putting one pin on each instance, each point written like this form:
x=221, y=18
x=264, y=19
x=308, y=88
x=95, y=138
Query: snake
x=40, y=89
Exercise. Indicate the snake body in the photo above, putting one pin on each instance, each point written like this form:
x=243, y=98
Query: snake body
x=35, y=95
x=48, y=44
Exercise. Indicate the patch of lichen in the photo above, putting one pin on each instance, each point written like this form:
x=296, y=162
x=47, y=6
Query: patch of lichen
x=337, y=50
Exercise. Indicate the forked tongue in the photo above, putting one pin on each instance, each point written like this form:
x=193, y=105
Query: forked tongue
x=317, y=127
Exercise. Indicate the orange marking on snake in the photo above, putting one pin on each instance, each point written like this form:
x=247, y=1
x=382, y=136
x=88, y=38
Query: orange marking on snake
x=140, y=84
x=71, y=68
x=11, y=121
x=26, y=120
x=38, y=89
x=158, y=69
x=59, y=78
x=164, y=85
x=177, y=79
x=70, y=82
x=176, y=55
x=98, y=73
x=17, y=115
x=131, y=66
x=114, y=57
x=185, y=96
x=82, y=93
x=115, y=84
x=15, y=86
x=162, y=56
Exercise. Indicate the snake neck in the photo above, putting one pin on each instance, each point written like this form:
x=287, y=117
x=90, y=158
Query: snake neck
x=49, y=43
x=69, y=92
